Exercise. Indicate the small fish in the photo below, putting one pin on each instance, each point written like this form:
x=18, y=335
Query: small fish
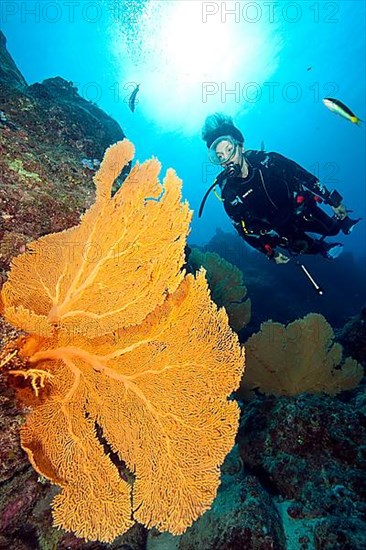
x=341, y=109
x=309, y=68
x=132, y=99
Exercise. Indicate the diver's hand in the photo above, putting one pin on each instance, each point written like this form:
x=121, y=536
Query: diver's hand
x=340, y=212
x=280, y=258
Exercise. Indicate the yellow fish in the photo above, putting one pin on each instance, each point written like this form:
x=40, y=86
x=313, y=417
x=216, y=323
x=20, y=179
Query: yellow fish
x=341, y=109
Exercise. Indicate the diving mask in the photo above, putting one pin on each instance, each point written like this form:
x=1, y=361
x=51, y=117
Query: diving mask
x=222, y=150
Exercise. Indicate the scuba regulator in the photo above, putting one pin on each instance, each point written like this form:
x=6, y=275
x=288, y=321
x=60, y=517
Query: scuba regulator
x=231, y=171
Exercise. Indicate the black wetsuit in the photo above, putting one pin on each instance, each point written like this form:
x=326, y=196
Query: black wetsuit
x=277, y=204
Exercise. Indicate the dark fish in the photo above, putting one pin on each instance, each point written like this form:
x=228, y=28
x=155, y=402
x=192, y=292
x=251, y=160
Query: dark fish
x=341, y=109
x=309, y=68
x=132, y=98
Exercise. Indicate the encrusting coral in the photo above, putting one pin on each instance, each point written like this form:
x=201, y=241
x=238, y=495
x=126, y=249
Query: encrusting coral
x=124, y=350
x=227, y=287
x=297, y=358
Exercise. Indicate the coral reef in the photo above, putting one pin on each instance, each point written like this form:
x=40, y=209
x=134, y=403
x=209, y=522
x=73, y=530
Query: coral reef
x=9, y=73
x=309, y=453
x=242, y=516
x=302, y=456
x=12, y=459
x=226, y=284
x=353, y=337
x=125, y=350
x=301, y=357
x=46, y=130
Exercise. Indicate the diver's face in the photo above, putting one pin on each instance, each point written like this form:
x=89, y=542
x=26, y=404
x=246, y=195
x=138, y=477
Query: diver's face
x=237, y=157
x=225, y=151
x=228, y=152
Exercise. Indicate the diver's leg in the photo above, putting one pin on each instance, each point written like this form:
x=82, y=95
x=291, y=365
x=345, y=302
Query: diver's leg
x=300, y=243
x=315, y=220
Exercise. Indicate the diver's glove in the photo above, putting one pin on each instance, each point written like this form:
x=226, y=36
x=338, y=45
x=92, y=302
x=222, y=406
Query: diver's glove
x=280, y=258
x=331, y=251
x=340, y=212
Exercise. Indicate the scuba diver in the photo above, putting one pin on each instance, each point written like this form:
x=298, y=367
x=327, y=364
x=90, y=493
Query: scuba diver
x=271, y=200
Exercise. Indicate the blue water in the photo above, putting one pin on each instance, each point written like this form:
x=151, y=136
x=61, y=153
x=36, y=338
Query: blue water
x=187, y=56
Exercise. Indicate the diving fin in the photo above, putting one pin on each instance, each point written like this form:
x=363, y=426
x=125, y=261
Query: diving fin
x=347, y=224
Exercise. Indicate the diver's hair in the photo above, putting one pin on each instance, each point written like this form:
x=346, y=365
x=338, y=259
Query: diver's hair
x=217, y=125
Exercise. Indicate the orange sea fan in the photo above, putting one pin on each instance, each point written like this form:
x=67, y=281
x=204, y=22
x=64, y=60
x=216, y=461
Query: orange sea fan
x=151, y=374
x=297, y=358
x=113, y=268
